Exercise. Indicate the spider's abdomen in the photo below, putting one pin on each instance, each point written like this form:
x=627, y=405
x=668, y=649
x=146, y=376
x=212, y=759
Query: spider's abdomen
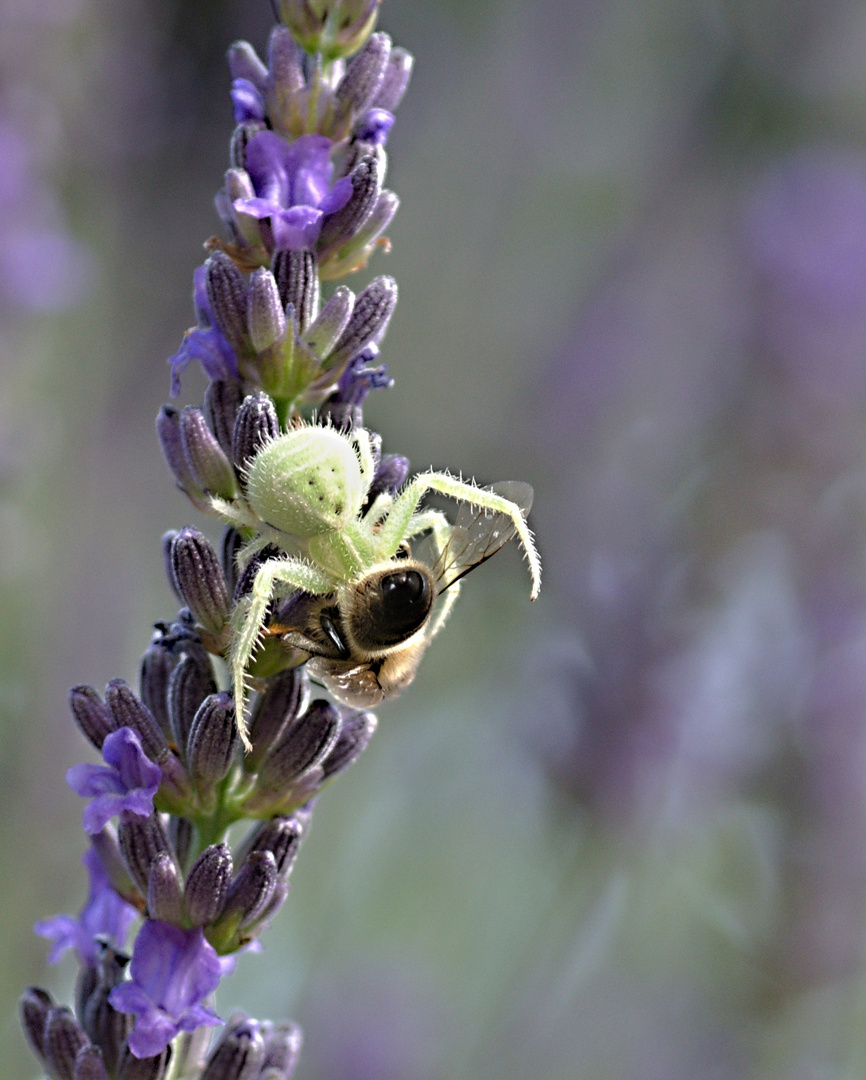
x=306, y=482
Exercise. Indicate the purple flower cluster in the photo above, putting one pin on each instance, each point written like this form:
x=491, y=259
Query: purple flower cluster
x=303, y=202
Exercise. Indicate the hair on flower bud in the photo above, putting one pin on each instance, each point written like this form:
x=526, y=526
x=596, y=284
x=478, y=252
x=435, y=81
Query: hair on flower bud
x=222, y=399
x=207, y=462
x=255, y=425
x=266, y=317
x=207, y=884
x=227, y=296
x=239, y=1053
x=127, y=710
x=369, y=320
x=285, y=80
x=142, y=840
x=213, y=743
x=331, y=322
x=395, y=81
x=91, y=714
x=198, y=578
x=297, y=278
x=191, y=682
x=63, y=1039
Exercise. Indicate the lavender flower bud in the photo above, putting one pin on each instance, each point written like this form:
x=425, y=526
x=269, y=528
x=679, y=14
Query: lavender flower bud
x=390, y=476
x=364, y=76
x=34, y=1006
x=208, y=463
x=181, y=831
x=369, y=321
x=282, y=837
x=297, y=279
x=355, y=734
x=227, y=294
x=222, y=400
x=62, y=1040
x=168, y=429
x=165, y=891
x=213, y=742
x=285, y=77
x=341, y=226
x=244, y=63
x=266, y=318
x=331, y=323
x=282, y=1049
x=152, y=1068
x=91, y=714
x=238, y=1055
x=107, y=847
x=304, y=743
x=106, y=1027
x=89, y=1065
x=256, y=424
x=157, y=665
x=197, y=576
x=231, y=543
x=353, y=254
x=142, y=840
x=238, y=185
x=191, y=682
x=395, y=81
x=250, y=891
x=207, y=884
x=128, y=711
x=286, y=696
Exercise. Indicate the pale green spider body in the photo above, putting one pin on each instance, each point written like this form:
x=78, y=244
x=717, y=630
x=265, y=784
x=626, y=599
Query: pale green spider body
x=372, y=574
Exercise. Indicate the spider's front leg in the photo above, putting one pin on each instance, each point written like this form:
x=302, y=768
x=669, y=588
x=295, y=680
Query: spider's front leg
x=274, y=578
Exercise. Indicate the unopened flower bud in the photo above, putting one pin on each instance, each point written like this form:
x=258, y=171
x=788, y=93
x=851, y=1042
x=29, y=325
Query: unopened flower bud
x=303, y=744
x=227, y=294
x=238, y=1055
x=34, y=1006
x=207, y=461
x=266, y=317
x=331, y=323
x=395, y=81
x=142, y=840
x=191, y=682
x=343, y=224
x=334, y=28
x=165, y=891
x=369, y=321
x=213, y=742
x=356, y=251
x=365, y=73
x=63, y=1038
x=256, y=424
x=89, y=1065
x=231, y=543
x=222, y=400
x=134, y=1068
x=285, y=77
x=356, y=731
x=281, y=836
x=107, y=847
x=198, y=577
x=181, y=832
x=244, y=63
x=168, y=429
x=297, y=279
x=251, y=890
x=157, y=664
x=282, y=1049
x=106, y=1027
x=207, y=884
x=127, y=710
x=91, y=714
x=286, y=696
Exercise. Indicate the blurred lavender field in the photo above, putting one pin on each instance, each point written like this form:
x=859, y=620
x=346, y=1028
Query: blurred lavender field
x=620, y=833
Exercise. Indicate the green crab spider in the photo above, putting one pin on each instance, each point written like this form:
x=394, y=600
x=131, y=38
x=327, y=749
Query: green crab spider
x=372, y=575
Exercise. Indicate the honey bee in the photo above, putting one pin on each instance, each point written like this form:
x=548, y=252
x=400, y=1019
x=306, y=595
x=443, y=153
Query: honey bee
x=366, y=640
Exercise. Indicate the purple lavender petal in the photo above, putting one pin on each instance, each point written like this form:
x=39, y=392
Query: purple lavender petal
x=337, y=197
x=247, y=101
x=374, y=126
x=205, y=343
x=296, y=228
x=172, y=971
x=128, y=781
x=104, y=915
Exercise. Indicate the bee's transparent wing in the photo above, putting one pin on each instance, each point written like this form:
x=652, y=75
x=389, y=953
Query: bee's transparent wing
x=476, y=535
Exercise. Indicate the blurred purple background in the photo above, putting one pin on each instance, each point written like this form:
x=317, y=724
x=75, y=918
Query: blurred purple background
x=621, y=832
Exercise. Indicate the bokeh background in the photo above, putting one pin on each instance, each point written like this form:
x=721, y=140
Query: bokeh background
x=620, y=833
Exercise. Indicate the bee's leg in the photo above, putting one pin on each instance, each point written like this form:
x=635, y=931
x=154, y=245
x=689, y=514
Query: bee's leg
x=433, y=521
x=250, y=614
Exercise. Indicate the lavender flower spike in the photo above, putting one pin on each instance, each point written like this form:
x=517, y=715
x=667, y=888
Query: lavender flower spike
x=292, y=182
x=173, y=971
x=128, y=781
x=104, y=916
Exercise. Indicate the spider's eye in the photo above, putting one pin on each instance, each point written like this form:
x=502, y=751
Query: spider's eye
x=393, y=604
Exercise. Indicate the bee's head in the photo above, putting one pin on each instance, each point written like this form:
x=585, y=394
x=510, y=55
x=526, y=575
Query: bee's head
x=386, y=606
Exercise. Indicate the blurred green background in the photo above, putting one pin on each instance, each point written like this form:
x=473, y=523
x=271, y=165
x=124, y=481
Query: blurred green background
x=620, y=833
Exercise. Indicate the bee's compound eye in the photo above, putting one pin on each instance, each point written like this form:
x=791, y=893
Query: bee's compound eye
x=395, y=608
